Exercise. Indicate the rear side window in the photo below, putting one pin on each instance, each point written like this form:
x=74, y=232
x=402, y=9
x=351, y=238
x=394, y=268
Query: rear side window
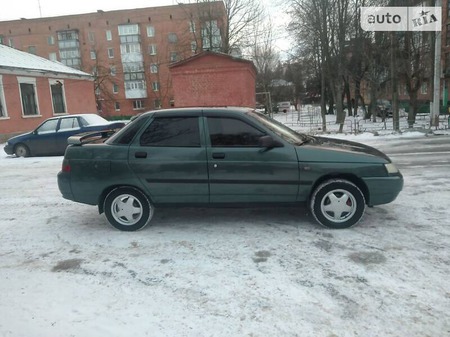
x=230, y=132
x=172, y=132
x=69, y=124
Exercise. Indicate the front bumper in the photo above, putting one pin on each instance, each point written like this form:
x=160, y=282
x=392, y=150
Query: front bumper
x=383, y=190
x=9, y=149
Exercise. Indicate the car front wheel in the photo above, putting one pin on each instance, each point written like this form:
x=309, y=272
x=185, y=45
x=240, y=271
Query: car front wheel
x=21, y=150
x=128, y=209
x=338, y=204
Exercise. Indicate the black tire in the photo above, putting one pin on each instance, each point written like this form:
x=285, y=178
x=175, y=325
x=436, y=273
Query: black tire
x=128, y=209
x=21, y=150
x=338, y=204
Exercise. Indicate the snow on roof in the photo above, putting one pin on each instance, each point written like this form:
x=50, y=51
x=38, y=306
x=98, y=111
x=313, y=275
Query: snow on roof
x=13, y=59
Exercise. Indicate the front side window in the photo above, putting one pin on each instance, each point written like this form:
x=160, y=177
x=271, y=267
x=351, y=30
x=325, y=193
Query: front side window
x=29, y=101
x=172, y=132
x=47, y=127
x=230, y=132
x=58, y=97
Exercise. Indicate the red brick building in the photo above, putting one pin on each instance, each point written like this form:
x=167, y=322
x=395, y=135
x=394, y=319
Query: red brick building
x=33, y=89
x=127, y=51
x=213, y=79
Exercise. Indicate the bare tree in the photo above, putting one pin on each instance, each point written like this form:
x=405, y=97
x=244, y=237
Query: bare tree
x=242, y=18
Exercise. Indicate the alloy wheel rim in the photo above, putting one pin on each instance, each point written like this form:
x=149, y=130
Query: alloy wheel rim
x=338, y=205
x=126, y=210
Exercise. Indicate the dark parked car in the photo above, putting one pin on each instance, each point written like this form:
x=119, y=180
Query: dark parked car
x=50, y=138
x=231, y=157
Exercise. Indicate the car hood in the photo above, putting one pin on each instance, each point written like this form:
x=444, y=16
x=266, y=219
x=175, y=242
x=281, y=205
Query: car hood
x=324, y=149
x=20, y=137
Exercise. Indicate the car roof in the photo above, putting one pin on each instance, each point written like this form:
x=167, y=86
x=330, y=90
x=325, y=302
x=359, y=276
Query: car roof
x=196, y=110
x=72, y=115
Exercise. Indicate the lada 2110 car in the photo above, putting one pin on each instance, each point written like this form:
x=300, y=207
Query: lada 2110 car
x=223, y=156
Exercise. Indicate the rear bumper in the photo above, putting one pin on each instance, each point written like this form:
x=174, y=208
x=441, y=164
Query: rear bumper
x=64, y=185
x=383, y=190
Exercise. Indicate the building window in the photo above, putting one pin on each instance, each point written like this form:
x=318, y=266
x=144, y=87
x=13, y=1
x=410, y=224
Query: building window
x=192, y=27
x=110, y=53
x=172, y=37
x=133, y=76
x=150, y=31
x=57, y=91
x=108, y=35
x=173, y=57
x=117, y=106
x=152, y=49
x=128, y=29
x=51, y=40
x=93, y=55
x=115, y=88
x=91, y=37
x=52, y=57
x=11, y=43
x=112, y=70
x=129, y=85
x=157, y=104
x=28, y=97
x=138, y=105
x=130, y=48
x=211, y=37
x=69, y=48
x=424, y=88
x=32, y=50
x=193, y=46
x=3, y=111
x=155, y=86
x=154, y=68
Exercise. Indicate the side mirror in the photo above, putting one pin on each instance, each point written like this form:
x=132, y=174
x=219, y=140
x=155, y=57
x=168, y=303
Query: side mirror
x=267, y=142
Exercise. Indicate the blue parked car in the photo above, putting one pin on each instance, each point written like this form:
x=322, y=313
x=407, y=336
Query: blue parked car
x=50, y=138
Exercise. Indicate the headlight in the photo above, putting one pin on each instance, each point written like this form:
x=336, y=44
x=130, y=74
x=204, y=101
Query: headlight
x=391, y=168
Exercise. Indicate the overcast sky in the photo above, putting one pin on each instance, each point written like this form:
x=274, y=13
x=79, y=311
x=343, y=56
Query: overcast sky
x=16, y=9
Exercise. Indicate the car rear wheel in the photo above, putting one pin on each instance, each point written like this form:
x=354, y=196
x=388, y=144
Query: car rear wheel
x=128, y=209
x=21, y=150
x=337, y=204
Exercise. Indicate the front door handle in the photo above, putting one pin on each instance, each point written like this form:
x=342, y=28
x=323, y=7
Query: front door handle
x=140, y=155
x=218, y=155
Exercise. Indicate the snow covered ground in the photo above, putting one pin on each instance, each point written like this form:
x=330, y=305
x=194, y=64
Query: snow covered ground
x=226, y=272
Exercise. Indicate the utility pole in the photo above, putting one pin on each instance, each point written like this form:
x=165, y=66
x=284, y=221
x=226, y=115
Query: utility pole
x=434, y=113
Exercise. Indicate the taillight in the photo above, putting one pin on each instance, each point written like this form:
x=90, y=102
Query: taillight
x=66, y=166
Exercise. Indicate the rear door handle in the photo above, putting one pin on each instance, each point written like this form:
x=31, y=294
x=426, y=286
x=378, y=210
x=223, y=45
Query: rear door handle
x=140, y=155
x=218, y=155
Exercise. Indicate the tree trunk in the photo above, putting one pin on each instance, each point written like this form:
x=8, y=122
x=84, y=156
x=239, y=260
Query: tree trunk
x=412, y=109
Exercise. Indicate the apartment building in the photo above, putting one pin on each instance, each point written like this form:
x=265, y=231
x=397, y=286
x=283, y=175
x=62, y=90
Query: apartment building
x=127, y=51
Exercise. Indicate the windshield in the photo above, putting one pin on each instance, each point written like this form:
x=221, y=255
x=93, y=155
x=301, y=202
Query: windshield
x=281, y=130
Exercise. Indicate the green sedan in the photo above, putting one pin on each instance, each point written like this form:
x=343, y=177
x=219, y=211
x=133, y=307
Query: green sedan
x=223, y=156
